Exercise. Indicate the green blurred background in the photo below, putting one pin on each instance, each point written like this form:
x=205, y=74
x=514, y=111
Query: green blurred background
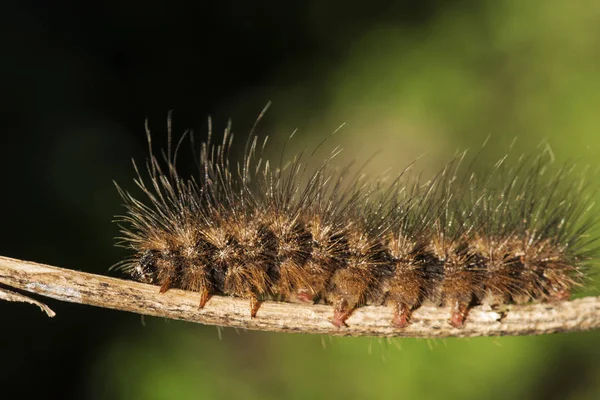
x=407, y=78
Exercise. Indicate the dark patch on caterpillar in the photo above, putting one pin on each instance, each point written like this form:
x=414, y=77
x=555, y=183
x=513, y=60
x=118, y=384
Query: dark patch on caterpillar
x=516, y=233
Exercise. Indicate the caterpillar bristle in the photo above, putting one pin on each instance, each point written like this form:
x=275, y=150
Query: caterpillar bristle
x=516, y=233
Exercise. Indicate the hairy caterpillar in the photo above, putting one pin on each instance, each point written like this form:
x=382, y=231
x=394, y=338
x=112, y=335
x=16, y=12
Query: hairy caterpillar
x=254, y=230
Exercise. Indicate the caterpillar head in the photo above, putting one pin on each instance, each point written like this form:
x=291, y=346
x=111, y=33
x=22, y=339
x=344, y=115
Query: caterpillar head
x=145, y=269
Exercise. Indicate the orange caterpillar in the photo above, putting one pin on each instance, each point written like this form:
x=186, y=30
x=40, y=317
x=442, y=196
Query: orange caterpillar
x=259, y=232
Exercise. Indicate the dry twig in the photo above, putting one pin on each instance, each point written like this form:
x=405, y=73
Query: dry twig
x=428, y=322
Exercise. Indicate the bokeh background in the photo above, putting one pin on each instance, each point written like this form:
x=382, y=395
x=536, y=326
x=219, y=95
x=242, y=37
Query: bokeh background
x=407, y=78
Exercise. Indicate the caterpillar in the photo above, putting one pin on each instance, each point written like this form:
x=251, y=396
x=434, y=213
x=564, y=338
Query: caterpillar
x=257, y=230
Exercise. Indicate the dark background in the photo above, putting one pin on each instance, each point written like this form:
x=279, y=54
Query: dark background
x=78, y=80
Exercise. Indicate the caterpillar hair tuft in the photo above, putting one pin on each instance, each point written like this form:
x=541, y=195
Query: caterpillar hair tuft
x=265, y=230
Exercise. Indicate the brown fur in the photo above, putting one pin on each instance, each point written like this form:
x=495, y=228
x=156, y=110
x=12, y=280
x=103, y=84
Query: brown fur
x=257, y=234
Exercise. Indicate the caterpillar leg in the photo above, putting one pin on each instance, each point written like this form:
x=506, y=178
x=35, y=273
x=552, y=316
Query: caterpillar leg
x=305, y=296
x=341, y=312
x=402, y=315
x=254, y=305
x=165, y=286
x=347, y=293
x=204, y=297
x=559, y=295
x=248, y=282
x=406, y=291
x=460, y=289
x=558, y=285
x=459, y=312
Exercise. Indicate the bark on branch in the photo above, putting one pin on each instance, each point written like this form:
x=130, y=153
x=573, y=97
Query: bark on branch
x=427, y=322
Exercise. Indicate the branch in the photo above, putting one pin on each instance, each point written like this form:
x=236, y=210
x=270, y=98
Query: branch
x=9, y=295
x=427, y=322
